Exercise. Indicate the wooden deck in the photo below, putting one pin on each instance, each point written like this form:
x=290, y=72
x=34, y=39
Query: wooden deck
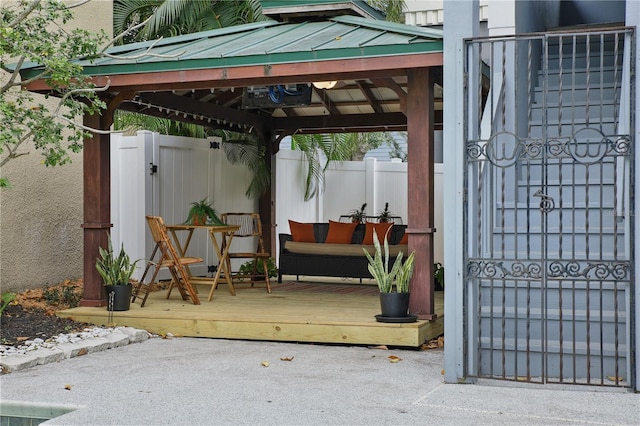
x=309, y=314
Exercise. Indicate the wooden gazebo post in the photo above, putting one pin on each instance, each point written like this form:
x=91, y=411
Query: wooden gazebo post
x=420, y=194
x=97, y=208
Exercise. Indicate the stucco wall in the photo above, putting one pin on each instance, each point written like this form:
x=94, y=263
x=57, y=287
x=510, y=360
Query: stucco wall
x=41, y=214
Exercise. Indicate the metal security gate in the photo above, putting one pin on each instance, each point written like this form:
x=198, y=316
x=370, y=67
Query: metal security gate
x=549, y=277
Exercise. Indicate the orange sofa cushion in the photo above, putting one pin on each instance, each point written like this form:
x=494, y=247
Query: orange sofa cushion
x=340, y=233
x=381, y=230
x=302, y=232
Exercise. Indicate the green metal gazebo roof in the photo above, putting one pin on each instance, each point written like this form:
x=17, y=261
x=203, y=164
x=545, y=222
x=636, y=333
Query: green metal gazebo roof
x=202, y=77
x=267, y=42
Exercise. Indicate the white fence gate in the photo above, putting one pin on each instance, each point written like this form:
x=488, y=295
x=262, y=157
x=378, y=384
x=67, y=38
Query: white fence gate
x=162, y=175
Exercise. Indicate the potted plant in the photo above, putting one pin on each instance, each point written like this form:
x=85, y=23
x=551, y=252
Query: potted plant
x=358, y=216
x=115, y=271
x=393, y=284
x=202, y=212
x=438, y=275
x=384, y=215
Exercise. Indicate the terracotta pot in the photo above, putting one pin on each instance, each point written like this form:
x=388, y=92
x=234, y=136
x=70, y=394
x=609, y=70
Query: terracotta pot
x=200, y=220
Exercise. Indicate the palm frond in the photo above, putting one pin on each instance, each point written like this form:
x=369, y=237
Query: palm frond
x=127, y=13
x=171, y=12
x=393, y=9
x=250, y=152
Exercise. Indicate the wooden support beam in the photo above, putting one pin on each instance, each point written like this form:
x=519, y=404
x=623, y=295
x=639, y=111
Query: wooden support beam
x=420, y=184
x=369, y=96
x=97, y=208
x=341, y=123
x=194, y=107
x=390, y=83
x=325, y=100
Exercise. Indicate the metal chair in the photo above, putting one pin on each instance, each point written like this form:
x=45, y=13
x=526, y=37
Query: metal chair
x=250, y=227
x=167, y=257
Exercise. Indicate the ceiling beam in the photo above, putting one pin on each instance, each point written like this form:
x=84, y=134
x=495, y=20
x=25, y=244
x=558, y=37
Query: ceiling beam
x=325, y=100
x=142, y=109
x=394, y=121
x=390, y=83
x=208, y=111
x=368, y=94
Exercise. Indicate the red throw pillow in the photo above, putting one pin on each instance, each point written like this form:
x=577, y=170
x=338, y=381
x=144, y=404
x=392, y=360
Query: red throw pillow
x=340, y=232
x=302, y=232
x=381, y=230
x=404, y=239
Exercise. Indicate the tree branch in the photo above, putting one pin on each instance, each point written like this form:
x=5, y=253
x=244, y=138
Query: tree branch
x=80, y=3
x=79, y=91
x=12, y=149
x=24, y=13
x=14, y=74
x=124, y=33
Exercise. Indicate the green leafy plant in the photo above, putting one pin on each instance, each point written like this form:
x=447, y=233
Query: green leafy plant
x=438, y=273
x=202, y=212
x=400, y=272
x=34, y=32
x=115, y=270
x=66, y=295
x=384, y=215
x=7, y=297
x=358, y=215
x=247, y=268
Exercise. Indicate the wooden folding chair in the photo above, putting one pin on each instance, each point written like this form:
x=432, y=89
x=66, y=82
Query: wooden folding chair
x=164, y=255
x=250, y=227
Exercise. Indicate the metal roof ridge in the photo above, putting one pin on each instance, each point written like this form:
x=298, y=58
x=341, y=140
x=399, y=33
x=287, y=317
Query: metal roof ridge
x=192, y=36
x=390, y=26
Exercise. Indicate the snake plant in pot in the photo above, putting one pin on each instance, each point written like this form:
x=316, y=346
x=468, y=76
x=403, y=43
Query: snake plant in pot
x=115, y=271
x=393, y=284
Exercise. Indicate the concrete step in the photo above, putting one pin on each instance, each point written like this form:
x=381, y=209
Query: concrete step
x=578, y=93
x=575, y=110
x=595, y=77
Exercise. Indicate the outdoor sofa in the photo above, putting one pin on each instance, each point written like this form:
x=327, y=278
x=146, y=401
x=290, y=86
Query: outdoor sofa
x=334, y=249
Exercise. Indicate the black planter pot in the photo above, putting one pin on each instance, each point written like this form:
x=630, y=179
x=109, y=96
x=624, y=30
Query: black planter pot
x=394, y=305
x=118, y=297
x=395, y=308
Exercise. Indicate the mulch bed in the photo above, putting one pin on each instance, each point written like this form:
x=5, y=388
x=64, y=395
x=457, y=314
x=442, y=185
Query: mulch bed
x=32, y=314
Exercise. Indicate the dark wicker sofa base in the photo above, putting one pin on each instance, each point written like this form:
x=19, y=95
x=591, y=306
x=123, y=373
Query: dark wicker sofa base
x=329, y=265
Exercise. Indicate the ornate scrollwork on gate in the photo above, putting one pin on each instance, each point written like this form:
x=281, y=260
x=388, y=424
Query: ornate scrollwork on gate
x=589, y=270
x=498, y=270
x=547, y=203
x=622, y=145
x=589, y=146
x=504, y=149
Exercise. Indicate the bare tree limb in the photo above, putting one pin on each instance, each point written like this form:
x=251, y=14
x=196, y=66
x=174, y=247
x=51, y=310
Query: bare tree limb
x=80, y=3
x=14, y=74
x=87, y=128
x=71, y=93
x=12, y=149
x=124, y=33
x=24, y=13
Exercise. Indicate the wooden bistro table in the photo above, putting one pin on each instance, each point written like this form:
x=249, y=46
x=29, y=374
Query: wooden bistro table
x=225, y=233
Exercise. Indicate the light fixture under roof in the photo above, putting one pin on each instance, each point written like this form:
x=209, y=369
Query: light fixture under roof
x=324, y=84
